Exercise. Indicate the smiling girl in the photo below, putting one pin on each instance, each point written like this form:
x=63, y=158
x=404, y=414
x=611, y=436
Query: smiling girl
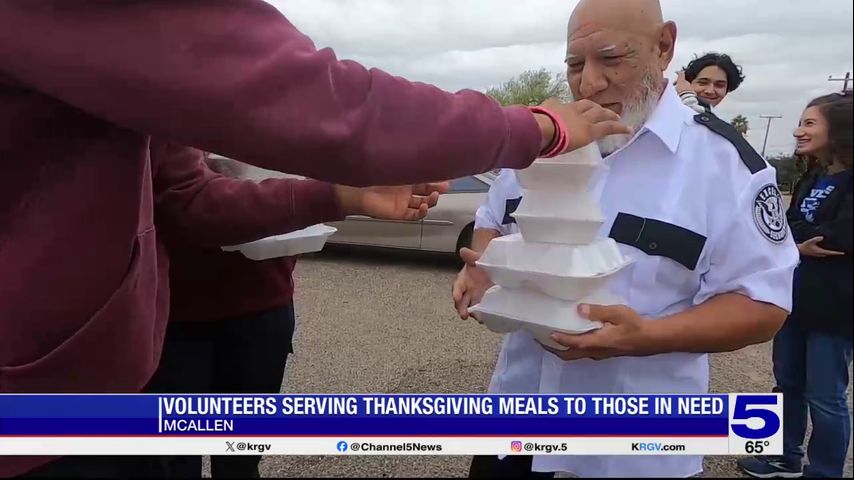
x=812, y=352
x=707, y=80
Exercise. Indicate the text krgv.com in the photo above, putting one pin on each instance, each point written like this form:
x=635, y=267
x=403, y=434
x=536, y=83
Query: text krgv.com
x=657, y=447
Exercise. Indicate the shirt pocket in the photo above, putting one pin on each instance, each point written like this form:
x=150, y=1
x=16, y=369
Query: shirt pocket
x=667, y=263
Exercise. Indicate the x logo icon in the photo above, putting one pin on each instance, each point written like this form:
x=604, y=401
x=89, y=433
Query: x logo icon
x=229, y=446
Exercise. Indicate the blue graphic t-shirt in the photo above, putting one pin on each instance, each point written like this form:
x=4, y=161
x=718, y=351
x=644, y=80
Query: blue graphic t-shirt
x=824, y=185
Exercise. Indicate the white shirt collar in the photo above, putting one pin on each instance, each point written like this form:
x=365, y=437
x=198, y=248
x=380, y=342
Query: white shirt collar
x=668, y=119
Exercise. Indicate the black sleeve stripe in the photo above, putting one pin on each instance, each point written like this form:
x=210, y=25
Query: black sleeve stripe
x=510, y=206
x=658, y=238
x=750, y=157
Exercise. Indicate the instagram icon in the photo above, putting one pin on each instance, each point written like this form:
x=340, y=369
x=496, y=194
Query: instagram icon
x=516, y=446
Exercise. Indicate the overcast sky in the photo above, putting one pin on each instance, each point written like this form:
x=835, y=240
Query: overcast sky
x=788, y=48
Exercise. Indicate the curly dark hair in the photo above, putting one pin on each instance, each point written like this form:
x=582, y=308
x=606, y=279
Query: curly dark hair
x=734, y=76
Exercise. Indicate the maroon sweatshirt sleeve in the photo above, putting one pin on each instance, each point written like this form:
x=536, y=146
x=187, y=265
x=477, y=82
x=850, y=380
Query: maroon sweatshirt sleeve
x=196, y=206
x=234, y=77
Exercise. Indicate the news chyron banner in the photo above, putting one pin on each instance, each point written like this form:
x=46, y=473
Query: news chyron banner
x=734, y=424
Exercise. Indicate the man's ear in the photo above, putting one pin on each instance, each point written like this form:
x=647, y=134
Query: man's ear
x=666, y=44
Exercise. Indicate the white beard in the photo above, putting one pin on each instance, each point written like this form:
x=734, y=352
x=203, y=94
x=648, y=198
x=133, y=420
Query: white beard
x=635, y=115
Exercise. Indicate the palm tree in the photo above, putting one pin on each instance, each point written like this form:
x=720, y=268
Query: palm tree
x=741, y=124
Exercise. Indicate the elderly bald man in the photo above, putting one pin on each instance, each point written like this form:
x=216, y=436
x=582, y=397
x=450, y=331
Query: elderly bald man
x=686, y=197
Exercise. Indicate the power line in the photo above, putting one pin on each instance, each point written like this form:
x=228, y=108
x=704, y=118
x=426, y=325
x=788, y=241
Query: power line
x=767, y=130
x=846, y=79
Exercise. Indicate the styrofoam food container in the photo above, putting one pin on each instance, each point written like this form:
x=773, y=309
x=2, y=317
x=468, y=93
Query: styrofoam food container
x=563, y=271
x=307, y=240
x=571, y=170
x=588, y=154
x=546, y=229
x=505, y=310
x=571, y=204
x=555, y=217
x=553, y=175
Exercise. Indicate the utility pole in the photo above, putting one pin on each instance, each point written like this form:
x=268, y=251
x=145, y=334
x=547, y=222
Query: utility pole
x=846, y=80
x=767, y=130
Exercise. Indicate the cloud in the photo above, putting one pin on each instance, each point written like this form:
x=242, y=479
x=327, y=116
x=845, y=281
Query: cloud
x=788, y=48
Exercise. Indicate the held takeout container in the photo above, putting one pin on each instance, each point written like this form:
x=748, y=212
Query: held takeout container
x=563, y=271
x=556, y=229
x=570, y=171
x=552, y=175
x=570, y=204
x=505, y=310
x=307, y=240
x=558, y=217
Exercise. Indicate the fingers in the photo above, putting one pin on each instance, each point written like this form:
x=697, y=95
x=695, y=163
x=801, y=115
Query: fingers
x=457, y=289
x=610, y=127
x=614, y=314
x=469, y=256
x=583, y=341
x=598, y=115
x=827, y=253
x=430, y=200
x=584, y=105
x=461, y=297
x=415, y=202
x=463, y=306
x=430, y=188
x=577, y=353
x=413, y=214
x=813, y=241
x=581, y=354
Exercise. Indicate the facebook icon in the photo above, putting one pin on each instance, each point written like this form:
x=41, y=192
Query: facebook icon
x=342, y=446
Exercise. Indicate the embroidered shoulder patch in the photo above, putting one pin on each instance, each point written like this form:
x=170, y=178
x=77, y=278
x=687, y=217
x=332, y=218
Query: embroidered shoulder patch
x=769, y=214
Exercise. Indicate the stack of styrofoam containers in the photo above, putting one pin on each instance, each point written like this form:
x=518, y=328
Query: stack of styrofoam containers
x=557, y=261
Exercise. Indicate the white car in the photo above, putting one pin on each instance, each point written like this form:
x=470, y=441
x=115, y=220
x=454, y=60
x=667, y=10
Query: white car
x=447, y=227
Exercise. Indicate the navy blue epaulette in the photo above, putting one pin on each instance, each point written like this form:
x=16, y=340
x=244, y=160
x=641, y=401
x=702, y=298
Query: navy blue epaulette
x=755, y=163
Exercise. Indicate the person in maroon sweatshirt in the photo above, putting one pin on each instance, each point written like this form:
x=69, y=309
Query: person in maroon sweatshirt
x=196, y=211
x=231, y=319
x=85, y=86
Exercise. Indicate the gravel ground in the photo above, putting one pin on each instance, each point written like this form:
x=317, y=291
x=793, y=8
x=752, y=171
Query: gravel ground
x=383, y=323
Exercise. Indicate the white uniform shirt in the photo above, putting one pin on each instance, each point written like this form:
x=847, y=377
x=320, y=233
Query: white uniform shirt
x=680, y=190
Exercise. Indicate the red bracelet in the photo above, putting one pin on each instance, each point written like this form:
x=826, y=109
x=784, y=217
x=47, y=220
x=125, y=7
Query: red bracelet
x=561, y=133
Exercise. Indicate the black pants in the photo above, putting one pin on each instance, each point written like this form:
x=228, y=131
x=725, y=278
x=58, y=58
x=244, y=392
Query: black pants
x=238, y=355
x=512, y=466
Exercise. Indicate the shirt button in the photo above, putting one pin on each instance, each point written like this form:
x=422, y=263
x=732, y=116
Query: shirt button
x=653, y=246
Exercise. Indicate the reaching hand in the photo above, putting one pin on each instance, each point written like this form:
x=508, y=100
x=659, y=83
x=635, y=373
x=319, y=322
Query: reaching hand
x=585, y=122
x=407, y=202
x=810, y=248
x=470, y=285
x=682, y=85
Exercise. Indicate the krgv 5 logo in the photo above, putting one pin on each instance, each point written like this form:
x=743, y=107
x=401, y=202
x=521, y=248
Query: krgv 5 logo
x=750, y=407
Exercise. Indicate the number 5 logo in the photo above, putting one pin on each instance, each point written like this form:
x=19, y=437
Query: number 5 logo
x=748, y=407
